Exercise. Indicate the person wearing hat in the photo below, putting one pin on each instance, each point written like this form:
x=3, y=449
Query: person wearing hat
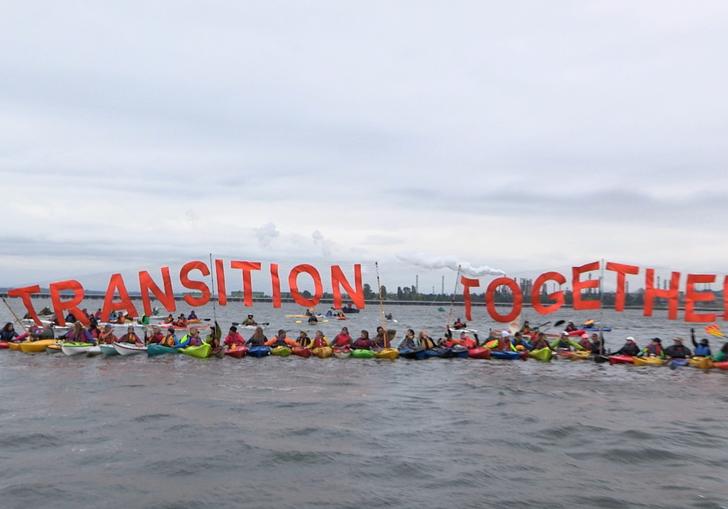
x=233, y=338
x=250, y=321
x=702, y=349
x=629, y=348
x=654, y=349
x=677, y=350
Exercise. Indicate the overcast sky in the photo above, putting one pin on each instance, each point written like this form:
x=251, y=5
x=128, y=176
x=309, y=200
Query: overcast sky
x=521, y=135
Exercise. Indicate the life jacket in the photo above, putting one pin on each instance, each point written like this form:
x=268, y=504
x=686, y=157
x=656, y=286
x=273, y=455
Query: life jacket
x=468, y=343
x=342, y=340
x=304, y=342
x=184, y=340
x=702, y=351
x=319, y=342
x=168, y=341
x=427, y=343
x=653, y=349
x=362, y=344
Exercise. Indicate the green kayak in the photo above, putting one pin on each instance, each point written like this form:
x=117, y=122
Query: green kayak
x=281, y=351
x=108, y=350
x=362, y=354
x=542, y=354
x=201, y=352
x=154, y=349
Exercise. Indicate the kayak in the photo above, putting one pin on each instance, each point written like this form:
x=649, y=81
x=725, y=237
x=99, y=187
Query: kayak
x=387, y=353
x=621, y=359
x=580, y=355
x=576, y=332
x=301, y=351
x=323, y=352
x=676, y=363
x=4, y=345
x=259, y=351
x=54, y=348
x=108, y=350
x=701, y=362
x=36, y=346
x=466, y=330
x=506, y=356
x=437, y=352
x=237, y=352
x=541, y=354
x=720, y=365
x=596, y=328
x=280, y=351
x=94, y=351
x=358, y=353
x=479, y=353
x=14, y=346
x=342, y=353
x=129, y=348
x=201, y=351
x=73, y=348
x=648, y=361
x=459, y=352
x=409, y=353
x=155, y=349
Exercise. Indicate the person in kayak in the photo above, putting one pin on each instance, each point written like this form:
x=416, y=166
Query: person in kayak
x=319, y=341
x=192, y=316
x=408, y=343
x=526, y=329
x=280, y=340
x=654, y=349
x=504, y=343
x=677, y=350
x=169, y=319
x=540, y=342
x=181, y=321
x=107, y=335
x=519, y=340
x=258, y=338
x=597, y=344
x=79, y=334
x=312, y=320
x=702, y=349
x=170, y=339
x=459, y=324
x=584, y=342
x=363, y=343
x=466, y=341
x=156, y=336
x=629, y=348
x=380, y=340
x=250, y=321
x=303, y=339
x=342, y=339
x=563, y=342
x=722, y=355
x=570, y=327
x=8, y=334
x=234, y=338
x=131, y=337
x=425, y=341
x=194, y=338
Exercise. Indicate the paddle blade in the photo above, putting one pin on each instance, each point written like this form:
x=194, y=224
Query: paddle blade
x=559, y=323
x=714, y=330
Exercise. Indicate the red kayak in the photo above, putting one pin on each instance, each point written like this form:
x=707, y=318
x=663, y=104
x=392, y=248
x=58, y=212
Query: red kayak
x=237, y=352
x=579, y=332
x=301, y=351
x=480, y=352
x=4, y=345
x=721, y=365
x=621, y=359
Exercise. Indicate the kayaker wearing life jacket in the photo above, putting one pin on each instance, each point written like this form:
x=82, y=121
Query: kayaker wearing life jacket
x=181, y=321
x=342, y=339
x=363, y=343
x=319, y=341
x=570, y=327
x=169, y=319
x=156, y=336
x=723, y=354
x=312, y=320
x=563, y=342
x=131, y=337
x=654, y=349
x=466, y=341
x=504, y=343
x=192, y=338
x=79, y=334
x=170, y=339
x=459, y=324
x=677, y=350
x=258, y=338
x=526, y=329
x=250, y=321
x=280, y=340
x=425, y=340
x=702, y=349
x=408, y=343
x=233, y=338
x=540, y=342
x=107, y=335
x=192, y=315
x=303, y=339
x=584, y=342
x=519, y=340
x=8, y=334
x=629, y=348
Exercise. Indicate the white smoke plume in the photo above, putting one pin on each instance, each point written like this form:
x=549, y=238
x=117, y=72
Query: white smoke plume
x=266, y=234
x=448, y=262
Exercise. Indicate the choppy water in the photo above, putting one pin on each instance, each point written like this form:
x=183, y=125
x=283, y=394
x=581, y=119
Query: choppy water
x=288, y=432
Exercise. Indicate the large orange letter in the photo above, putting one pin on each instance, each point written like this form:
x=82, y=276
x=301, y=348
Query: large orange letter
x=61, y=306
x=293, y=285
x=25, y=294
x=692, y=296
x=275, y=281
x=116, y=284
x=221, y=288
x=725, y=298
x=246, y=267
x=556, y=297
x=201, y=287
x=622, y=270
x=579, y=285
x=517, y=299
x=338, y=279
x=166, y=297
x=468, y=283
x=651, y=293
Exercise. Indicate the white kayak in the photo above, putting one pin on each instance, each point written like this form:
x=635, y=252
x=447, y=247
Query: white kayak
x=466, y=330
x=129, y=348
x=76, y=348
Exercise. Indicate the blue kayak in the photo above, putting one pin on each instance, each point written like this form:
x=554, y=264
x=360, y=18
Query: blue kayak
x=596, y=328
x=408, y=353
x=506, y=356
x=459, y=352
x=259, y=351
x=438, y=352
x=154, y=349
x=677, y=363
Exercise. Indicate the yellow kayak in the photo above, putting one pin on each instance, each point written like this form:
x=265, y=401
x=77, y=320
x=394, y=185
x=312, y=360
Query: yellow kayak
x=648, y=361
x=323, y=352
x=580, y=355
x=14, y=346
x=387, y=353
x=701, y=362
x=36, y=346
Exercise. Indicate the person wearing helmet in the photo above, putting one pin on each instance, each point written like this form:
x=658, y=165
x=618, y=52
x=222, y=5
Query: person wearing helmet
x=629, y=348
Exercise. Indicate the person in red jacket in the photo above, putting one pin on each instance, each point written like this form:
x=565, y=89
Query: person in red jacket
x=342, y=339
x=319, y=340
x=234, y=339
x=363, y=343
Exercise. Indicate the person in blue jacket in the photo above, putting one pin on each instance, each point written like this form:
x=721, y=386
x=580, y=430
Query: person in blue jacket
x=702, y=349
